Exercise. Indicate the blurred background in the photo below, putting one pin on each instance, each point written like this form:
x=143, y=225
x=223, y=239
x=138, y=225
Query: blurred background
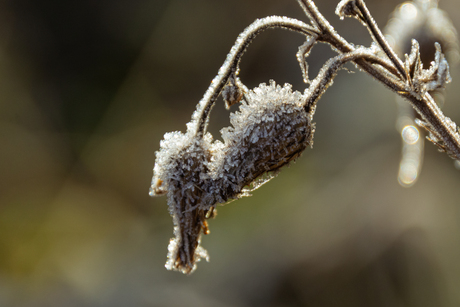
x=89, y=87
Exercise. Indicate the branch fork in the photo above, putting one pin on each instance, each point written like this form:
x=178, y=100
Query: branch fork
x=273, y=124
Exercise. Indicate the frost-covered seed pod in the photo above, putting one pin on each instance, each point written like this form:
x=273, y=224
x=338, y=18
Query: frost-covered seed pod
x=181, y=171
x=270, y=129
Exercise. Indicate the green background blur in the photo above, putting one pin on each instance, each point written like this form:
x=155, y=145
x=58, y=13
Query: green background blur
x=87, y=90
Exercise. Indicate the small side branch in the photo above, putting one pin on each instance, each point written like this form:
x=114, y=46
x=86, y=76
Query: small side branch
x=327, y=73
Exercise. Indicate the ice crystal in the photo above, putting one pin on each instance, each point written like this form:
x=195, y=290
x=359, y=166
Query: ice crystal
x=424, y=80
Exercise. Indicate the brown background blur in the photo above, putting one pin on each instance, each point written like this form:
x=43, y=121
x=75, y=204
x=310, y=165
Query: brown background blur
x=87, y=90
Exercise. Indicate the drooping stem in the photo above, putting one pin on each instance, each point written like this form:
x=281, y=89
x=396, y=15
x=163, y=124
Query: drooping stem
x=230, y=66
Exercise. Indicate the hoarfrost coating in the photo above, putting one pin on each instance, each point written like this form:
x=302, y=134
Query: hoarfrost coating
x=270, y=130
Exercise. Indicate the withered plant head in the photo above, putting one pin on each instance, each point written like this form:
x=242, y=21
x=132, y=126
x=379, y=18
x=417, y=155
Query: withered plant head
x=271, y=129
x=273, y=124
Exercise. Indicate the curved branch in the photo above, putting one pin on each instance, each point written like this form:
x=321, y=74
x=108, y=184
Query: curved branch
x=230, y=66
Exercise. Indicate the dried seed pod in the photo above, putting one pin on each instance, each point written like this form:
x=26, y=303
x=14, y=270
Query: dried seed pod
x=270, y=129
x=181, y=171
